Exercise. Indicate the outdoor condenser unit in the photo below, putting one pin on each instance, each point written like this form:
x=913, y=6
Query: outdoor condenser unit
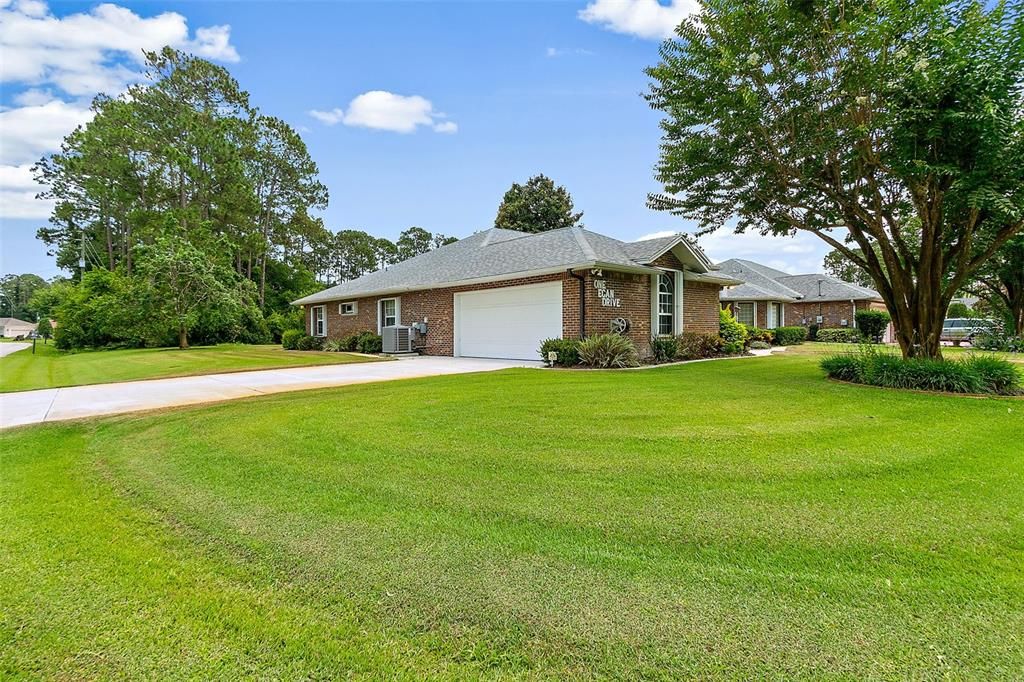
x=396, y=339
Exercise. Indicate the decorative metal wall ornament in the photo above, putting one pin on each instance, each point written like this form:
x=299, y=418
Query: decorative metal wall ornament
x=620, y=326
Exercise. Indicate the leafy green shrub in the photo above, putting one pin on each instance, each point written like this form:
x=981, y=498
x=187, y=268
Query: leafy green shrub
x=290, y=338
x=843, y=367
x=789, y=336
x=607, y=351
x=694, y=346
x=307, y=342
x=997, y=341
x=974, y=374
x=996, y=375
x=663, y=348
x=731, y=331
x=369, y=342
x=760, y=345
x=838, y=335
x=872, y=324
x=278, y=323
x=758, y=334
x=350, y=342
x=812, y=332
x=333, y=346
x=958, y=309
x=567, y=351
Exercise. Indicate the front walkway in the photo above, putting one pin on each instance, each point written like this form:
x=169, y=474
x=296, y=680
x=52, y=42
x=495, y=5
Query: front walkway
x=56, y=404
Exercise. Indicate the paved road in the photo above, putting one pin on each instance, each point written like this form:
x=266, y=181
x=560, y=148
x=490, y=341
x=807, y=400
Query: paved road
x=56, y=404
x=8, y=348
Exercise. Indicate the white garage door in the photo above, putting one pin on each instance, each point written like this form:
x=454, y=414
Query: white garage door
x=509, y=322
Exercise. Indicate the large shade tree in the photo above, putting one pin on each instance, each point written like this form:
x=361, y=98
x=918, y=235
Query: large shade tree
x=537, y=206
x=846, y=120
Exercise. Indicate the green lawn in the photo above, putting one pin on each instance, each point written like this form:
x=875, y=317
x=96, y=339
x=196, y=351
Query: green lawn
x=49, y=368
x=737, y=519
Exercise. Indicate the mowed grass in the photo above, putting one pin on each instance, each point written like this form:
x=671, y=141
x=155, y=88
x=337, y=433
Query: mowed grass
x=733, y=519
x=50, y=368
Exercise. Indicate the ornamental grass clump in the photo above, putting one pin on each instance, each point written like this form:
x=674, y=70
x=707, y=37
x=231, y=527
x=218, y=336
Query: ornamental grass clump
x=608, y=351
x=974, y=374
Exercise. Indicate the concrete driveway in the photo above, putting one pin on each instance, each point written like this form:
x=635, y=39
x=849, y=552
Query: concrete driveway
x=8, y=348
x=57, y=404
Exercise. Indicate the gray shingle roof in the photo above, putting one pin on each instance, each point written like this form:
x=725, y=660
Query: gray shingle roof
x=762, y=283
x=816, y=287
x=498, y=253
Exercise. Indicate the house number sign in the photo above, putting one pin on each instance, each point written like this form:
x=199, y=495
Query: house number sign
x=608, y=297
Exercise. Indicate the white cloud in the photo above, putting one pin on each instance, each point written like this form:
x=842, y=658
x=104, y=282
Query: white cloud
x=552, y=52
x=642, y=18
x=31, y=131
x=329, y=117
x=655, y=235
x=800, y=253
x=75, y=56
x=94, y=51
x=382, y=110
x=18, y=194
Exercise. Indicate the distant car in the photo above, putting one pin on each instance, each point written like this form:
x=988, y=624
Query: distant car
x=959, y=329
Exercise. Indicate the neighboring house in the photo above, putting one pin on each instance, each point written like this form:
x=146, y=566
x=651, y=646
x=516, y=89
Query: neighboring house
x=499, y=293
x=11, y=327
x=770, y=298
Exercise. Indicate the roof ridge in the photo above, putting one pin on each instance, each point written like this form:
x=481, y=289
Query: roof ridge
x=581, y=239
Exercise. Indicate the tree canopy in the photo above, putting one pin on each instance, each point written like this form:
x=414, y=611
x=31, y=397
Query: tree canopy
x=537, y=206
x=847, y=120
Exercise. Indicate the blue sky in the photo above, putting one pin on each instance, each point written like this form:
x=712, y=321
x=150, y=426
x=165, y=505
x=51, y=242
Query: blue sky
x=489, y=93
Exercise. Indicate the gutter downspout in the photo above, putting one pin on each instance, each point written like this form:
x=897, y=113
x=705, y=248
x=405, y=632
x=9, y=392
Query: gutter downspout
x=583, y=301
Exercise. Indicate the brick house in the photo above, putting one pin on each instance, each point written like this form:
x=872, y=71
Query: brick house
x=499, y=293
x=770, y=298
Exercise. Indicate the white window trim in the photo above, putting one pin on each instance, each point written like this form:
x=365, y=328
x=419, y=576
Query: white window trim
x=312, y=320
x=735, y=311
x=677, y=323
x=355, y=308
x=398, y=311
x=677, y=303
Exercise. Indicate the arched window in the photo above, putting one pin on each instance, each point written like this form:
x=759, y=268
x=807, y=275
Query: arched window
x=666, y=303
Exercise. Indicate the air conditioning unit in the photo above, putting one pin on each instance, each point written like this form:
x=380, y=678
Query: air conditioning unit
x=397, y=339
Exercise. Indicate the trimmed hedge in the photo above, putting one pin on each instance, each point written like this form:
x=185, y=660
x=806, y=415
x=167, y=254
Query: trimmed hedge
x=290, y=338
x=758, y=334
x=973, y=374
x=872, y=324
x=838, y=335
x=567, y=351
x=789, y=336
x=307, y=342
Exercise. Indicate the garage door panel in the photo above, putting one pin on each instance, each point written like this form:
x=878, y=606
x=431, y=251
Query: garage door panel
x=509, y=322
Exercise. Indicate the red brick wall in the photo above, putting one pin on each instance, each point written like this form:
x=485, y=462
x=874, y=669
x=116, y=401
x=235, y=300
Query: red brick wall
x=700, y=307
x=633, y=292
x=832, y=312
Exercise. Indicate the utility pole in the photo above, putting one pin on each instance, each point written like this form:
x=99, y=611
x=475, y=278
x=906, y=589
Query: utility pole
x=81, y=257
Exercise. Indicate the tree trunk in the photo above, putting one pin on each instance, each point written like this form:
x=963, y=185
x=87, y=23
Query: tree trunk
x=263, y=280
x=182, y=337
